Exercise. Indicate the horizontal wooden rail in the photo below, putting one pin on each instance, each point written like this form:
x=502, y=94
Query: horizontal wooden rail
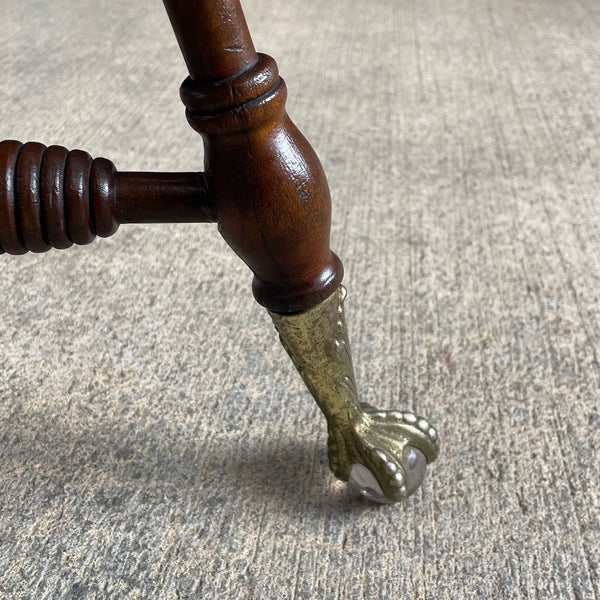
x=53, y=198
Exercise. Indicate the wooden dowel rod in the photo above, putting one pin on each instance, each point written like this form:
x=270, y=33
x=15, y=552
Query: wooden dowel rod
x=213, y=37
x=162, y=198
x=53, y=198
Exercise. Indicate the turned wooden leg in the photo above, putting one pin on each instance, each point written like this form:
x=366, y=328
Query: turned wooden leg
x=265, y=187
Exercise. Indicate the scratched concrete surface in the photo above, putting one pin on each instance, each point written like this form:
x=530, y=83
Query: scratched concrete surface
x=155, y=441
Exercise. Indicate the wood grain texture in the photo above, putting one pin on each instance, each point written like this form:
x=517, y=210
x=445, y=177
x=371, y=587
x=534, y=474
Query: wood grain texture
x=263, y=183
x=155, y=443
x=271, y=193
x=53, y=198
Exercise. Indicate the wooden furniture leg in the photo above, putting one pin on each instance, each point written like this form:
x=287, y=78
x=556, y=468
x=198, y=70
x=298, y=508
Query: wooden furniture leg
x=265, y=188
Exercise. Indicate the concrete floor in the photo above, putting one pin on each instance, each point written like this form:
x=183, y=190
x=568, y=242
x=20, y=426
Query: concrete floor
x=156, y=442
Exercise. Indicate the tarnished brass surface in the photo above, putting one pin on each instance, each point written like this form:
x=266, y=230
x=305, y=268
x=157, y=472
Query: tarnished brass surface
x=382, y=441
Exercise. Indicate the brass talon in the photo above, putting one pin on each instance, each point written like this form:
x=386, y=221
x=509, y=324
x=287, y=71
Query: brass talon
x=382, y=453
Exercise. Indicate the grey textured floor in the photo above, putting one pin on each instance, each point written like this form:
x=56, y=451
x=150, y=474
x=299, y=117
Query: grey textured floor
x=155, y=441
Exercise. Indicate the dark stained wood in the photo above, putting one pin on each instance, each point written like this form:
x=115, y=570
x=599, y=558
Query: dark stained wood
x=50, y=197
x=163, y=198
x=52, y=181
x=77, y=197
x=213, y=37
x=271, y=194
x=10, y=238
x=28, y=204
x=263, y=183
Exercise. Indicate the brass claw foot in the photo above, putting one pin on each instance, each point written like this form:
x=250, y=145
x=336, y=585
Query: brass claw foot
x=383, y=454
